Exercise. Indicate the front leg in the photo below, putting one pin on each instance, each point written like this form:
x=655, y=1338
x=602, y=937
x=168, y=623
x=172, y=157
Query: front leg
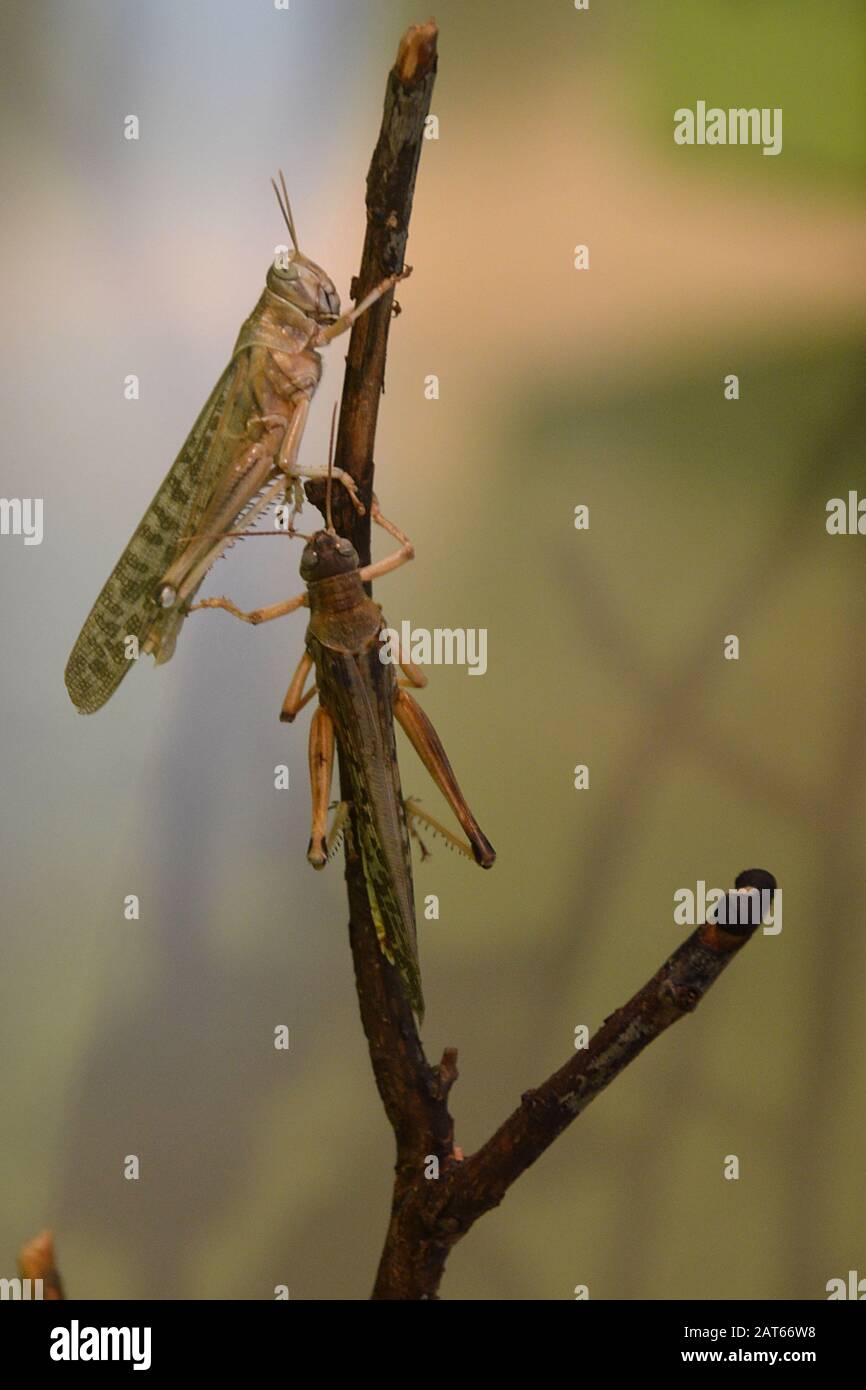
x=258, y=615
x=391, y=562
x=333, y=330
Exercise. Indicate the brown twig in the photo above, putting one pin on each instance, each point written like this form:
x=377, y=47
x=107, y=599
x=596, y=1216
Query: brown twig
x=438, y=1196
x=390, y=190
x=36, y=1260
x=429, y=1217
x=674, y=991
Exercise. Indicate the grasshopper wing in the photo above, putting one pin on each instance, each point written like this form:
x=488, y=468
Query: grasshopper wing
x=128, y=605
x=358, y=692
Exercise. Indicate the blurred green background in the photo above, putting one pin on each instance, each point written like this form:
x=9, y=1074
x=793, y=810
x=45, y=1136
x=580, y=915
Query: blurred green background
x=605, y=647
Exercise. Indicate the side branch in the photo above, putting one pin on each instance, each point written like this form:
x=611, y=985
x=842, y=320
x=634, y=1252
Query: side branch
x=674, y=991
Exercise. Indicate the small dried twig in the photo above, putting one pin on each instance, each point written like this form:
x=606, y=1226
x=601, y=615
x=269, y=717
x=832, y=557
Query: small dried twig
x=36, y=1260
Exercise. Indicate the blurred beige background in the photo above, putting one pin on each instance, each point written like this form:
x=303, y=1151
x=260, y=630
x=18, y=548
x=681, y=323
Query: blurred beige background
x=605, y=647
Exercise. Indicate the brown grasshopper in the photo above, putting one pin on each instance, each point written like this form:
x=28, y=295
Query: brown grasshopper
x=241, y=455
x=359, y=696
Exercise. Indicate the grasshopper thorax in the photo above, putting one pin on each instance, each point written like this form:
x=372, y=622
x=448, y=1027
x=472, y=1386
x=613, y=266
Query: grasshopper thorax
x=297, y=280
x=326, y=555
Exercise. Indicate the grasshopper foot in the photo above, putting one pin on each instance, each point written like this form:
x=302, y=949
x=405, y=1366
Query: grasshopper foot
x=317, y=853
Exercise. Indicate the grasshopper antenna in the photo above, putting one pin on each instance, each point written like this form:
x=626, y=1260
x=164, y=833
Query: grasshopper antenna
x=286, y=208
x=328, y=518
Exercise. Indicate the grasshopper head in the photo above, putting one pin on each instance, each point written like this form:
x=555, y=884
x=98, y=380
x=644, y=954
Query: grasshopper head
x=302, y=283
x=297, y=279
x=325, y=555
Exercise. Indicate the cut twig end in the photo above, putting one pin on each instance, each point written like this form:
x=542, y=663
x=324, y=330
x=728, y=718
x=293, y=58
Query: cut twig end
x=417, y=52
x=730, y=924
x=756, y=878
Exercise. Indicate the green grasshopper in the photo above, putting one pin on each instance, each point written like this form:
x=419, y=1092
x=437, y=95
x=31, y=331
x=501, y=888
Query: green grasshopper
x=359, y=696
x=241, y=455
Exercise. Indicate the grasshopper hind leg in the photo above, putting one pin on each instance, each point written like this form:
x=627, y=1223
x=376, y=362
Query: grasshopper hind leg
x=321, y=774
x=323, y=842
x=428, y=746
